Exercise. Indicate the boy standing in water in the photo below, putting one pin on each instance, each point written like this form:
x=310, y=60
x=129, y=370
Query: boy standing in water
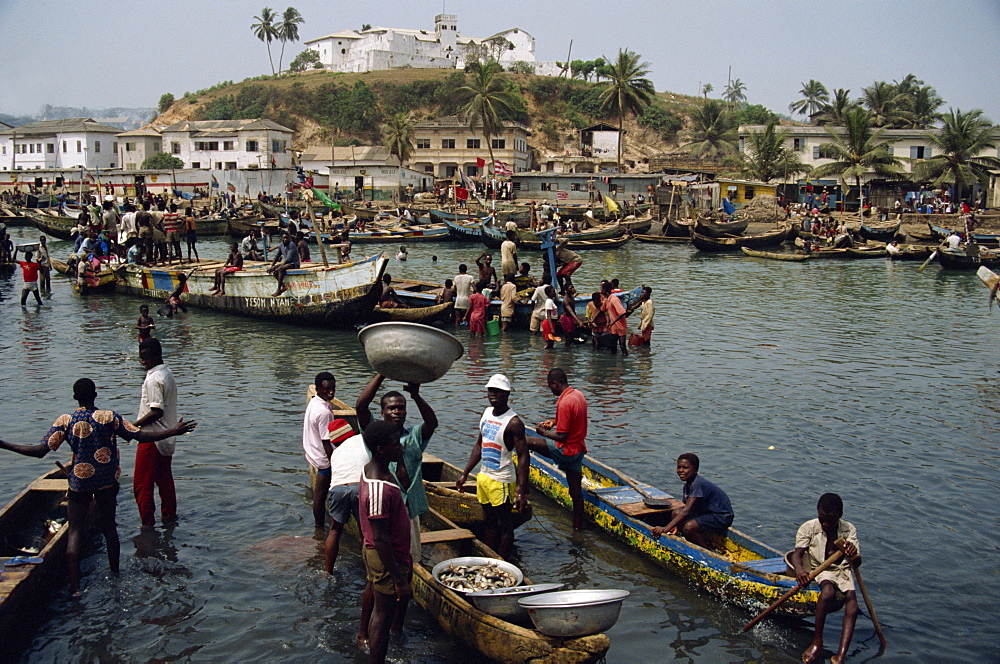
x=145, y=324
x=814, y=543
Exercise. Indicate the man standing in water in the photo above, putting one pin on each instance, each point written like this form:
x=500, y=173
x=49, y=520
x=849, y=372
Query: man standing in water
x=93, y=475
x=568, y=433
x=157, y=412
x=318, y=415
x=501, y=432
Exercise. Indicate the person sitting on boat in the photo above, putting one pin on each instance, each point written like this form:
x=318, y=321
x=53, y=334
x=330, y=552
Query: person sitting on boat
x=500, y=487
x=302, y=247
x=567, y=262
x=286, y=259
x=523, y=280
x=893, y=248
x=814, y=543
x=389, y=299
x=706, y=507
x=954, y=240
x=234, y=263
x=174, y=299
x=93, y=475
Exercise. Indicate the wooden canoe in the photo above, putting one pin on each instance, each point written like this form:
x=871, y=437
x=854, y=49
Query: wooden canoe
x=662, y=239
x=768, y=239
x=712, y=228
x=829, y=252
x=493, y=235
x=775, y=255
x=25, y=590
x=462, y=507
x=105, y=278
x=57, y=227
x=678, y=228
x=990, y=279
x=425, y=315
x=464, y=230
x=490, y=637
x=241, y=226
x=863, y=252
x=961, y=259
x=880, y=233
x=738, y=568
x=401, y=235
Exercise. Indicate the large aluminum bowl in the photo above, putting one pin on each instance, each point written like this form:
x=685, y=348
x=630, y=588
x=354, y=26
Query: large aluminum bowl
x=475, y=560
x=575, y=612
x=409, y=352
x=502, y=602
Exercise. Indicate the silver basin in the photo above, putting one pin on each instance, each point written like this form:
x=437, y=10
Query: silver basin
x=475, y=560
x=409, y=352
x=502, y=602
x=575, y=612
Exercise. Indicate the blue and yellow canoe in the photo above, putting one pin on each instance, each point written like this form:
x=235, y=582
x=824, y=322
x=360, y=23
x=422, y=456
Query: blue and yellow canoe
x=739, y=569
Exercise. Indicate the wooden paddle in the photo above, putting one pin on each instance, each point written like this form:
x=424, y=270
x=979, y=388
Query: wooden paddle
x=837, y=555
x=932, y=256
x=864, y=593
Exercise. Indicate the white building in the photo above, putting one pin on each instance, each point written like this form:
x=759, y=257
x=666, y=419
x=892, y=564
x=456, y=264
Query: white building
x=69, y=143
x=229, y=144
x=447, y=145
x=135, y=146
x=369, y=168
x=441, y=48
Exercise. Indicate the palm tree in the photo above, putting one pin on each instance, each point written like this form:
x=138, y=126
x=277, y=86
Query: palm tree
x=490, y=101
x=856, y=151
x=288, y=30
x=713, y=131
x=627, y=91
x=814, y=96
x=266, y=30
x=767, y=156
x=397, y=136
x=705, y=89
x=736, y=92
x=958, y=147
x=885, y=104
x=833, y=113
x=923, y=106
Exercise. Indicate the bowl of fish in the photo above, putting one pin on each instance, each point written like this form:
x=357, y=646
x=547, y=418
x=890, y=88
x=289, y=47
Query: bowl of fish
x=502, y=602
x=574, y=612
x=409, y=352
x=472, y=573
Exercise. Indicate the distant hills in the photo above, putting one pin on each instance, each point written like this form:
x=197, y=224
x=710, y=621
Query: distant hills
x=125, y=118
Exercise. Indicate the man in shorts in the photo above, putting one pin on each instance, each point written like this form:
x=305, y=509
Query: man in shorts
x=346, y=465
x=29, y=274
x=706, y=507
x=567, y=436
x=508, y=298
x=501, y=432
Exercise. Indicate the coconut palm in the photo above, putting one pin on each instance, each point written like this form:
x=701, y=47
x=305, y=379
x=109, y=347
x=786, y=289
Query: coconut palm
x=627, y=91
x=833, y=113
x=705, y=89
x=885, y=103
x=815, y=96
x=266, y=30
x=397, y=136
x=713, y=131
x=856, y=151
x=766, y=156
x=288, y=30
x=922, y=109
x=490, y=101
x=959, y=148
x=736, y=92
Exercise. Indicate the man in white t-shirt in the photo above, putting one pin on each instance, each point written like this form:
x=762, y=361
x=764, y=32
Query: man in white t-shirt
x=319, y=414
x=954, y=240
x=538, y=300
x=463, y=289
x=346, y=465
x=157, y=412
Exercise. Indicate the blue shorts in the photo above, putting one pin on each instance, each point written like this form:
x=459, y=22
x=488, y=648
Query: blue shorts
x=563, y=462
x=713, y=523
x=343, y=502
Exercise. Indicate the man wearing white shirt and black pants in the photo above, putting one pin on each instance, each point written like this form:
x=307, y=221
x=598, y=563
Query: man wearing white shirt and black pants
x=319, y=414
x=157, y=412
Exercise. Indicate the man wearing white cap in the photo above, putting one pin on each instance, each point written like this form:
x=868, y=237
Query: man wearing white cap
x=501, y=431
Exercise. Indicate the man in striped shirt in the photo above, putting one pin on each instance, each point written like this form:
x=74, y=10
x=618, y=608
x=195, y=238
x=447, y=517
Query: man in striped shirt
x=172, y=227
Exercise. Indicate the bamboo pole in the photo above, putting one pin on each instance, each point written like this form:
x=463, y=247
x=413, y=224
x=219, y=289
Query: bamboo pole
x=317, y=228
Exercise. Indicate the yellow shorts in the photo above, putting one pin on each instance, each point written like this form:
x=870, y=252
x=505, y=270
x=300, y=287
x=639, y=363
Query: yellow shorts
x=491, y=492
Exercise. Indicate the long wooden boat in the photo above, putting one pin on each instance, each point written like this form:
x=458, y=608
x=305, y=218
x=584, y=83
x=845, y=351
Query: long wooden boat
x=26, y=589
x=337, y=296
x=712, y=228
x=13, y=217
x=940, y=233
x=880, y=233
x=912, y=252
x=959, y=259
x=490, y=637
x=768, y=239
x=775, y=255
x=990, y=279
x=678, y=228
x=465, y=230
x=428, y=314
x=439, y=216
x=57, y=227
x=637, y=225
x=829, y=252
x=103, y=281
x=738, y=568
x=494, y=235
x=867, y=252
x=400, y=234
x=662, y=239
x=241, y=226
x=462, y=507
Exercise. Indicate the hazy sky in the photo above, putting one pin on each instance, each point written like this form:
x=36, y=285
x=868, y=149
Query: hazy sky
x=102, y=53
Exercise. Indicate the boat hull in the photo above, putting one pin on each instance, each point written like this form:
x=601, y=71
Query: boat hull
x=720, y=229
x=774, y=255
x=879, y=233
x=462, y=507
x=769, y=239
x=957, y=259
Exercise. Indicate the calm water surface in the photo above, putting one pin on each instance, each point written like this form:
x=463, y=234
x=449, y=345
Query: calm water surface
x=867, y=378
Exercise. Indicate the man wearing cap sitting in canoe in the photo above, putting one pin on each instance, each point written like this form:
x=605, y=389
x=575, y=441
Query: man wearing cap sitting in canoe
x=501, y=432
x=346, y=465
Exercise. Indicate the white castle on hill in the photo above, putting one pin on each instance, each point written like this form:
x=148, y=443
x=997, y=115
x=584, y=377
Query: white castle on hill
x=443, y=48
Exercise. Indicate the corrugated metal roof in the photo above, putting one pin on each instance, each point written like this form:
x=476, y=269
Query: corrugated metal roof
x=52, y=127
x=225, y=126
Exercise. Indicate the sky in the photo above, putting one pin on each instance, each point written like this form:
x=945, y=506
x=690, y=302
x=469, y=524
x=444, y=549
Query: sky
x=108, y=53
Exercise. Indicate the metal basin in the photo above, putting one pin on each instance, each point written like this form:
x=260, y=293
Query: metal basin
x=475, y=560
x=502, y=602
x=575, y=612
x=409, y=352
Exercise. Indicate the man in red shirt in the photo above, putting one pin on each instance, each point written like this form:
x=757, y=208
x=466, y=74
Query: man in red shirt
x=615, y=310
x=569, y=433
x=29, y=271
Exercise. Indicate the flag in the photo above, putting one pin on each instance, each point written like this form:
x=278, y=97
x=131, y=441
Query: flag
x=610, y=204
x=480, y=162
x=325, y=200
x=231, y=187
x=727, y=206
x=500, y=168
x=562, y=195
x=215, y=183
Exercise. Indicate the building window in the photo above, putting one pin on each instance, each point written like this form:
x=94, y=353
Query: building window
x=230, y=165
x=227, y=145
x=472, y=143
x=747, y=192
x=423, y=144
x=888, y=149
x=4, y=149
x=129, y=147
x=743, y=143
x=447, y=143
x=50, y=148
x=158, y=146
x=449, y=171
x=114, y=147
x=499, y=143
x=820, y=153
x=612, y=188
x=276, y=146
x=545, y=186
x=195, y=164
x=799, y=144
x=97, y=147
x=471, y=171
x=918, y=152
x=206, y=146
x=252, y=146
x=175, y=147
x=31, y=148
x=574, y=186
x=38, y=148
x=64, y=147
x=112, y=164
x=218, y=165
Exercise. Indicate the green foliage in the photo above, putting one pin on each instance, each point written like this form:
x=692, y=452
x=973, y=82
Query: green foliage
x=713, y=131
x=266, y=29
x=767, y=156
x=755, y=114
x=957, y=149
x=166, y=100
x=307, y=59
x=627, y=90
x=220, y=108
x=814, y=98
x=397, y=136
x=661, y=120
x=521, y=67
x=161, y=161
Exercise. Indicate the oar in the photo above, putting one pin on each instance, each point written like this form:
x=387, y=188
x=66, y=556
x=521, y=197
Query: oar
x=837, y=555
x=932, y=256
x=864, y=593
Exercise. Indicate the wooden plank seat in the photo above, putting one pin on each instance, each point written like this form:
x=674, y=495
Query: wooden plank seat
x=766, y=565
x=449, y=535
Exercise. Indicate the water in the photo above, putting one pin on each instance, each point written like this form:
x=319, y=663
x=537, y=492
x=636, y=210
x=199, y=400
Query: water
x=868, y=379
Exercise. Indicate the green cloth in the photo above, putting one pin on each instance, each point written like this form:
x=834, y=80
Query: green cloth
x=325, y=200
x=413, y=458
